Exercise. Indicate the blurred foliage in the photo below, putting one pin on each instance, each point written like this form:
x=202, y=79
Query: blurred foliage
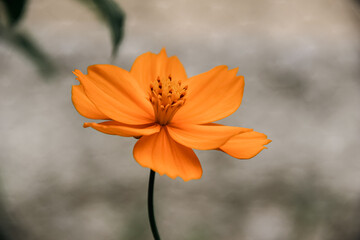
x=29, y=48
x=9, y=228
x=356, y=8
x=14, y=10
x=310, y=205
x=113, y=15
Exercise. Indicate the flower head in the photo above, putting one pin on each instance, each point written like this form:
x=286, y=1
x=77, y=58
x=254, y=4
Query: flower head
x=170, y=113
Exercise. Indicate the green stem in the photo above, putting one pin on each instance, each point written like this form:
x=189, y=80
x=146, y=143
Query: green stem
x=151, y=206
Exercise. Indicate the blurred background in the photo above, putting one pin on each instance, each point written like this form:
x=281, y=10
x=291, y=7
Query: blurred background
x=301, y=65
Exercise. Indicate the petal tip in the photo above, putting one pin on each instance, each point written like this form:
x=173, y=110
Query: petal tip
x=223, y=67
x=192, y=178
x=163, y=51
x=235, y=70
x=77, y=73
x=174, y=176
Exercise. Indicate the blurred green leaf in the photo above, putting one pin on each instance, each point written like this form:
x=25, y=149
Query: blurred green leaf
x=14, y=10
x=25, y=44
x=114, y=17
x=10, y=228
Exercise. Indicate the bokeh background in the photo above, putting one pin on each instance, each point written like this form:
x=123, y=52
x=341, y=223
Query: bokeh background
x=301, y=65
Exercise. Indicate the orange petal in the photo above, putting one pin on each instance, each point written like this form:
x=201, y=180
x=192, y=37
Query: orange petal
x=115, y=93
x=162, y=154
x=245, y=145
x=125, y=130
x=203, y=137
x=83, y=104
x=211, y=96
x=148, y=66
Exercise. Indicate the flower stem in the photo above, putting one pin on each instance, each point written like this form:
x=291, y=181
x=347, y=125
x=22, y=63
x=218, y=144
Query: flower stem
x=151, y=206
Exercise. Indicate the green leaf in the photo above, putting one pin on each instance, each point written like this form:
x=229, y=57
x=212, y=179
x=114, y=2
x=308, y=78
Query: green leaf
x=15, y=10
x=26, y=45
x=114, y=17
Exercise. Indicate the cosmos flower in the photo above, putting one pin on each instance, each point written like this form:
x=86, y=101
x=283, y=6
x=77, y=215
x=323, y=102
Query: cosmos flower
x=168, y=112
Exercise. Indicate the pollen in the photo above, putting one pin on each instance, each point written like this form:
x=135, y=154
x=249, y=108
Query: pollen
x=167, y=96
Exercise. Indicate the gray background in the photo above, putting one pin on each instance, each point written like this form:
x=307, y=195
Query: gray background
x=300, y=60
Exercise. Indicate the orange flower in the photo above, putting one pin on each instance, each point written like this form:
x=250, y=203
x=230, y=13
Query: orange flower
x=169, y=112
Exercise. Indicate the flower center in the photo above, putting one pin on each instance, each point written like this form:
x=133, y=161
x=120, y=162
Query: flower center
x=167, y=97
